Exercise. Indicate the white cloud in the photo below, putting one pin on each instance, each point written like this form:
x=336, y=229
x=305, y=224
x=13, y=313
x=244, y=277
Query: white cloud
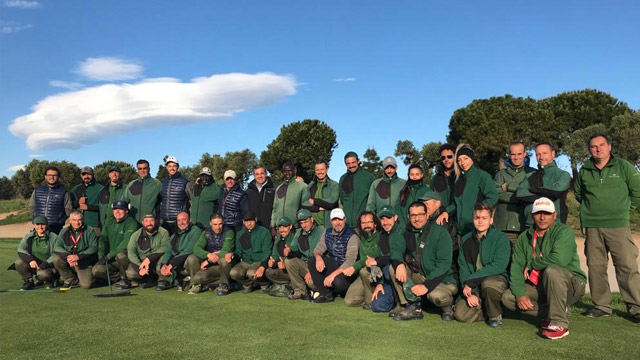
x=345, y=79
x=109, y=69
x=25, y=4
x=12, y=27
x=15, y=168
x=66, y=84
x=72, y=119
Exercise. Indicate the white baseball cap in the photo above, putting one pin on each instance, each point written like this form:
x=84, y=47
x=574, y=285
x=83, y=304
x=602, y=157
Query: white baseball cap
x=543, y=204
x=229, y=174
x=172, y=159
x=337, y=213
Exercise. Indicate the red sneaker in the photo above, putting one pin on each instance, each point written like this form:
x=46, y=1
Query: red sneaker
x=555, y=332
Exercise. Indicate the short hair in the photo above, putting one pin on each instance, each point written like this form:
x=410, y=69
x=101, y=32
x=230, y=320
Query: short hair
x=545, y=143
x=419, y=204
x=447, y=146
x=518, y=142
x=76, y=212
x=259, y=166
x=216, y=216
x=186, y=212
x=52, y=168
x=322, y=161
x=599, y=134
x=376, y=221
x=288, y=164
x=142, y=161
x=481, y=206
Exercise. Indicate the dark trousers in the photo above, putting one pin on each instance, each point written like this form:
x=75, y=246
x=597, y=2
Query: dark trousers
x=340, y=283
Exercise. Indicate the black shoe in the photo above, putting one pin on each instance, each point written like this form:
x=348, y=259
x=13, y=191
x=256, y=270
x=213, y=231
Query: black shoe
x=396, y=310
x=145, y=285
x=447, y=316
x=595, y=313
x=366, y=307
x=410, y=313
x=222, y=290
x=38, y=282
x=163, y=285
x=28, y=284
x=247, y=289
x=68, y=285
x=123, y=284
x=322, y=299
x=636, y=318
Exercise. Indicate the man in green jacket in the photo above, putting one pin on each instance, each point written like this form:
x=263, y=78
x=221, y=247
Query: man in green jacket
x=35, y=255
x=112, y=246
x=176, y=261
x=288, y=198
x=482, y=262
x=391, y=241
x=548, y=181
x=607, y=188
x=361, y=290
x=143, y=193
x=110, y=193
x=354, y=188
x=76, y=251
x=546, y=278
x=213, y=253
x=386, y=190
x=321, y=195
x=253, y=247
x=276, y=270
x=301, y=249
x=146, y=246
x=509, y=214
x=422, y=265
x=204, y=199
x=85, y=198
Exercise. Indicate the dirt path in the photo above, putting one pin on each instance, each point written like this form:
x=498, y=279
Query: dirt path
x=7, y=214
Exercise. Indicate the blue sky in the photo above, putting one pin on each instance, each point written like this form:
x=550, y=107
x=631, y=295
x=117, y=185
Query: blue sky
x=376, y=71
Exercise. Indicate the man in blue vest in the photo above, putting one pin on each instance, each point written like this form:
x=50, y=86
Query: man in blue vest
x=336, y=251
x=51, y=200
x=233, y=203
x=176, y=194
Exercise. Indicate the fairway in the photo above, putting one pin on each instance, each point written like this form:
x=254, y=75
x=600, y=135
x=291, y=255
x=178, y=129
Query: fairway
x=174, y=325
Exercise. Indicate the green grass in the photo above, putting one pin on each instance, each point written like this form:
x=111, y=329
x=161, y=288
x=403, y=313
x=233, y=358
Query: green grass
x=19, y=205
x=170, y=325
x=12, y=205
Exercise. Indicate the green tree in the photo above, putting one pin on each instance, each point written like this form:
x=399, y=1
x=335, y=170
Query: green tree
x=27, y=179
x=625, y=134
x=303, y=143
x=6, y=189
x=372, y=163
x=21, y=183
x=127, y=171
x=428, y=157
x=242, y=162
x=576, y=147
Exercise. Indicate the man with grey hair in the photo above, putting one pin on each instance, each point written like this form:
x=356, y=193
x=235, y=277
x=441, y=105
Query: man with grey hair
x=76, y=251
x=386, y=190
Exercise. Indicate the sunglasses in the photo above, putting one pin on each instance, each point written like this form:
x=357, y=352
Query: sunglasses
x=446, y=157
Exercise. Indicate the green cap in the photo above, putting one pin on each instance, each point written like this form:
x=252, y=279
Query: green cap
x=431, y=195
x=40, y=220
x=406, y=289
x=303, y=214
x=386, y=211
x=350, y=154
x=284, y=222
x=114, y=168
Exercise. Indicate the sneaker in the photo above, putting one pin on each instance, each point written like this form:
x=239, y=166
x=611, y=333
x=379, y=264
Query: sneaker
x=69, y=284
x=265, y=289
x=163, y=285
x=412, y=312
x=595, y=313
x=555, y=332
x=28, y=285
x=247, y=289
x=366, y=307
x=145, y=285
x=495, y=322
x=280, y=290
x=447, y=316
x=123, y=284
x=296, y=295
x=636, y=318
x=323, y=299
x=222, y=290
x=195, y=289
x=38, y=282
x=396, y=310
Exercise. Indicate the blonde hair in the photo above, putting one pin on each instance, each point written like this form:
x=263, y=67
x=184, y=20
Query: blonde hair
x=456, y=167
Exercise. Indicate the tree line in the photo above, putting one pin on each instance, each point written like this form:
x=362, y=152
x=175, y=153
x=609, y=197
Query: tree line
x=489, y=125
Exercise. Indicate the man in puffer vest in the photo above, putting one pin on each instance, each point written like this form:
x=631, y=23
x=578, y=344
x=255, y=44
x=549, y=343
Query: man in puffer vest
x=51, y=200
x=175, y=195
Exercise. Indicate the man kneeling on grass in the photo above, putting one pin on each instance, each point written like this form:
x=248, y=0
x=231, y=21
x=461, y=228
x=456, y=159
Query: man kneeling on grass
x=145, y=248
x=546, y=278
x=76, y=250
x=277, y=272
x=213, y=252
x=483, y=260
x=253, y=247
x=35, y=256
x=175, y=262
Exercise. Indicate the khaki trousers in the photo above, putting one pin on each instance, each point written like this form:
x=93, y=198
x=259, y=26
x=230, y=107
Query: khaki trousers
x=67, y=273
x=297, y=269
x=491, y=290
x=26, y=272
x=214, y=274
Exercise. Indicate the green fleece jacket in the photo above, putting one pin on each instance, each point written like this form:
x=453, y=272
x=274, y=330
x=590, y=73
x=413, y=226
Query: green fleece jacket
x=144, y=196
x=443, y=185
x=115, y=236
x=325, y=195
x=254, y=245
x=509, y=214
x=143, y=245
x=91, y=216
x=353, y=194
x=551, y=182
x=108, y=196
x=368, y=247
x=558, y=247
x=304, y=242
x=389, y=243
x=87, y=245
x=287, y=201
x=494, y=250
x=606, y=196
x=204, y=203
x=473, y=186
x=33, y=247
x=384, y=191
x=228, y=245
x=181, y=243
x=415, y=192
x=277, y=253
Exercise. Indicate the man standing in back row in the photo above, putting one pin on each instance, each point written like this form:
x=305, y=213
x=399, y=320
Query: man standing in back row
x=354, y=189
x=608, y=187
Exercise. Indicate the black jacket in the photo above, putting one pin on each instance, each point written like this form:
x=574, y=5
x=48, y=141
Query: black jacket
x=261, y=202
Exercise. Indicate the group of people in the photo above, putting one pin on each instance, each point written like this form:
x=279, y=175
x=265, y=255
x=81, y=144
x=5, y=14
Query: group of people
x=468, y=244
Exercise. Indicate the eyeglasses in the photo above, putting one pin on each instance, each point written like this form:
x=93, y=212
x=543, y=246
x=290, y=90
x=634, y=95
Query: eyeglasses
x=415, y=216
x=143, y=168
x=446, y=157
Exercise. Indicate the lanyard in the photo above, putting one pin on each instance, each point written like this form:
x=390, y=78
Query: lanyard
x=73, y=238
x=535, y=241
